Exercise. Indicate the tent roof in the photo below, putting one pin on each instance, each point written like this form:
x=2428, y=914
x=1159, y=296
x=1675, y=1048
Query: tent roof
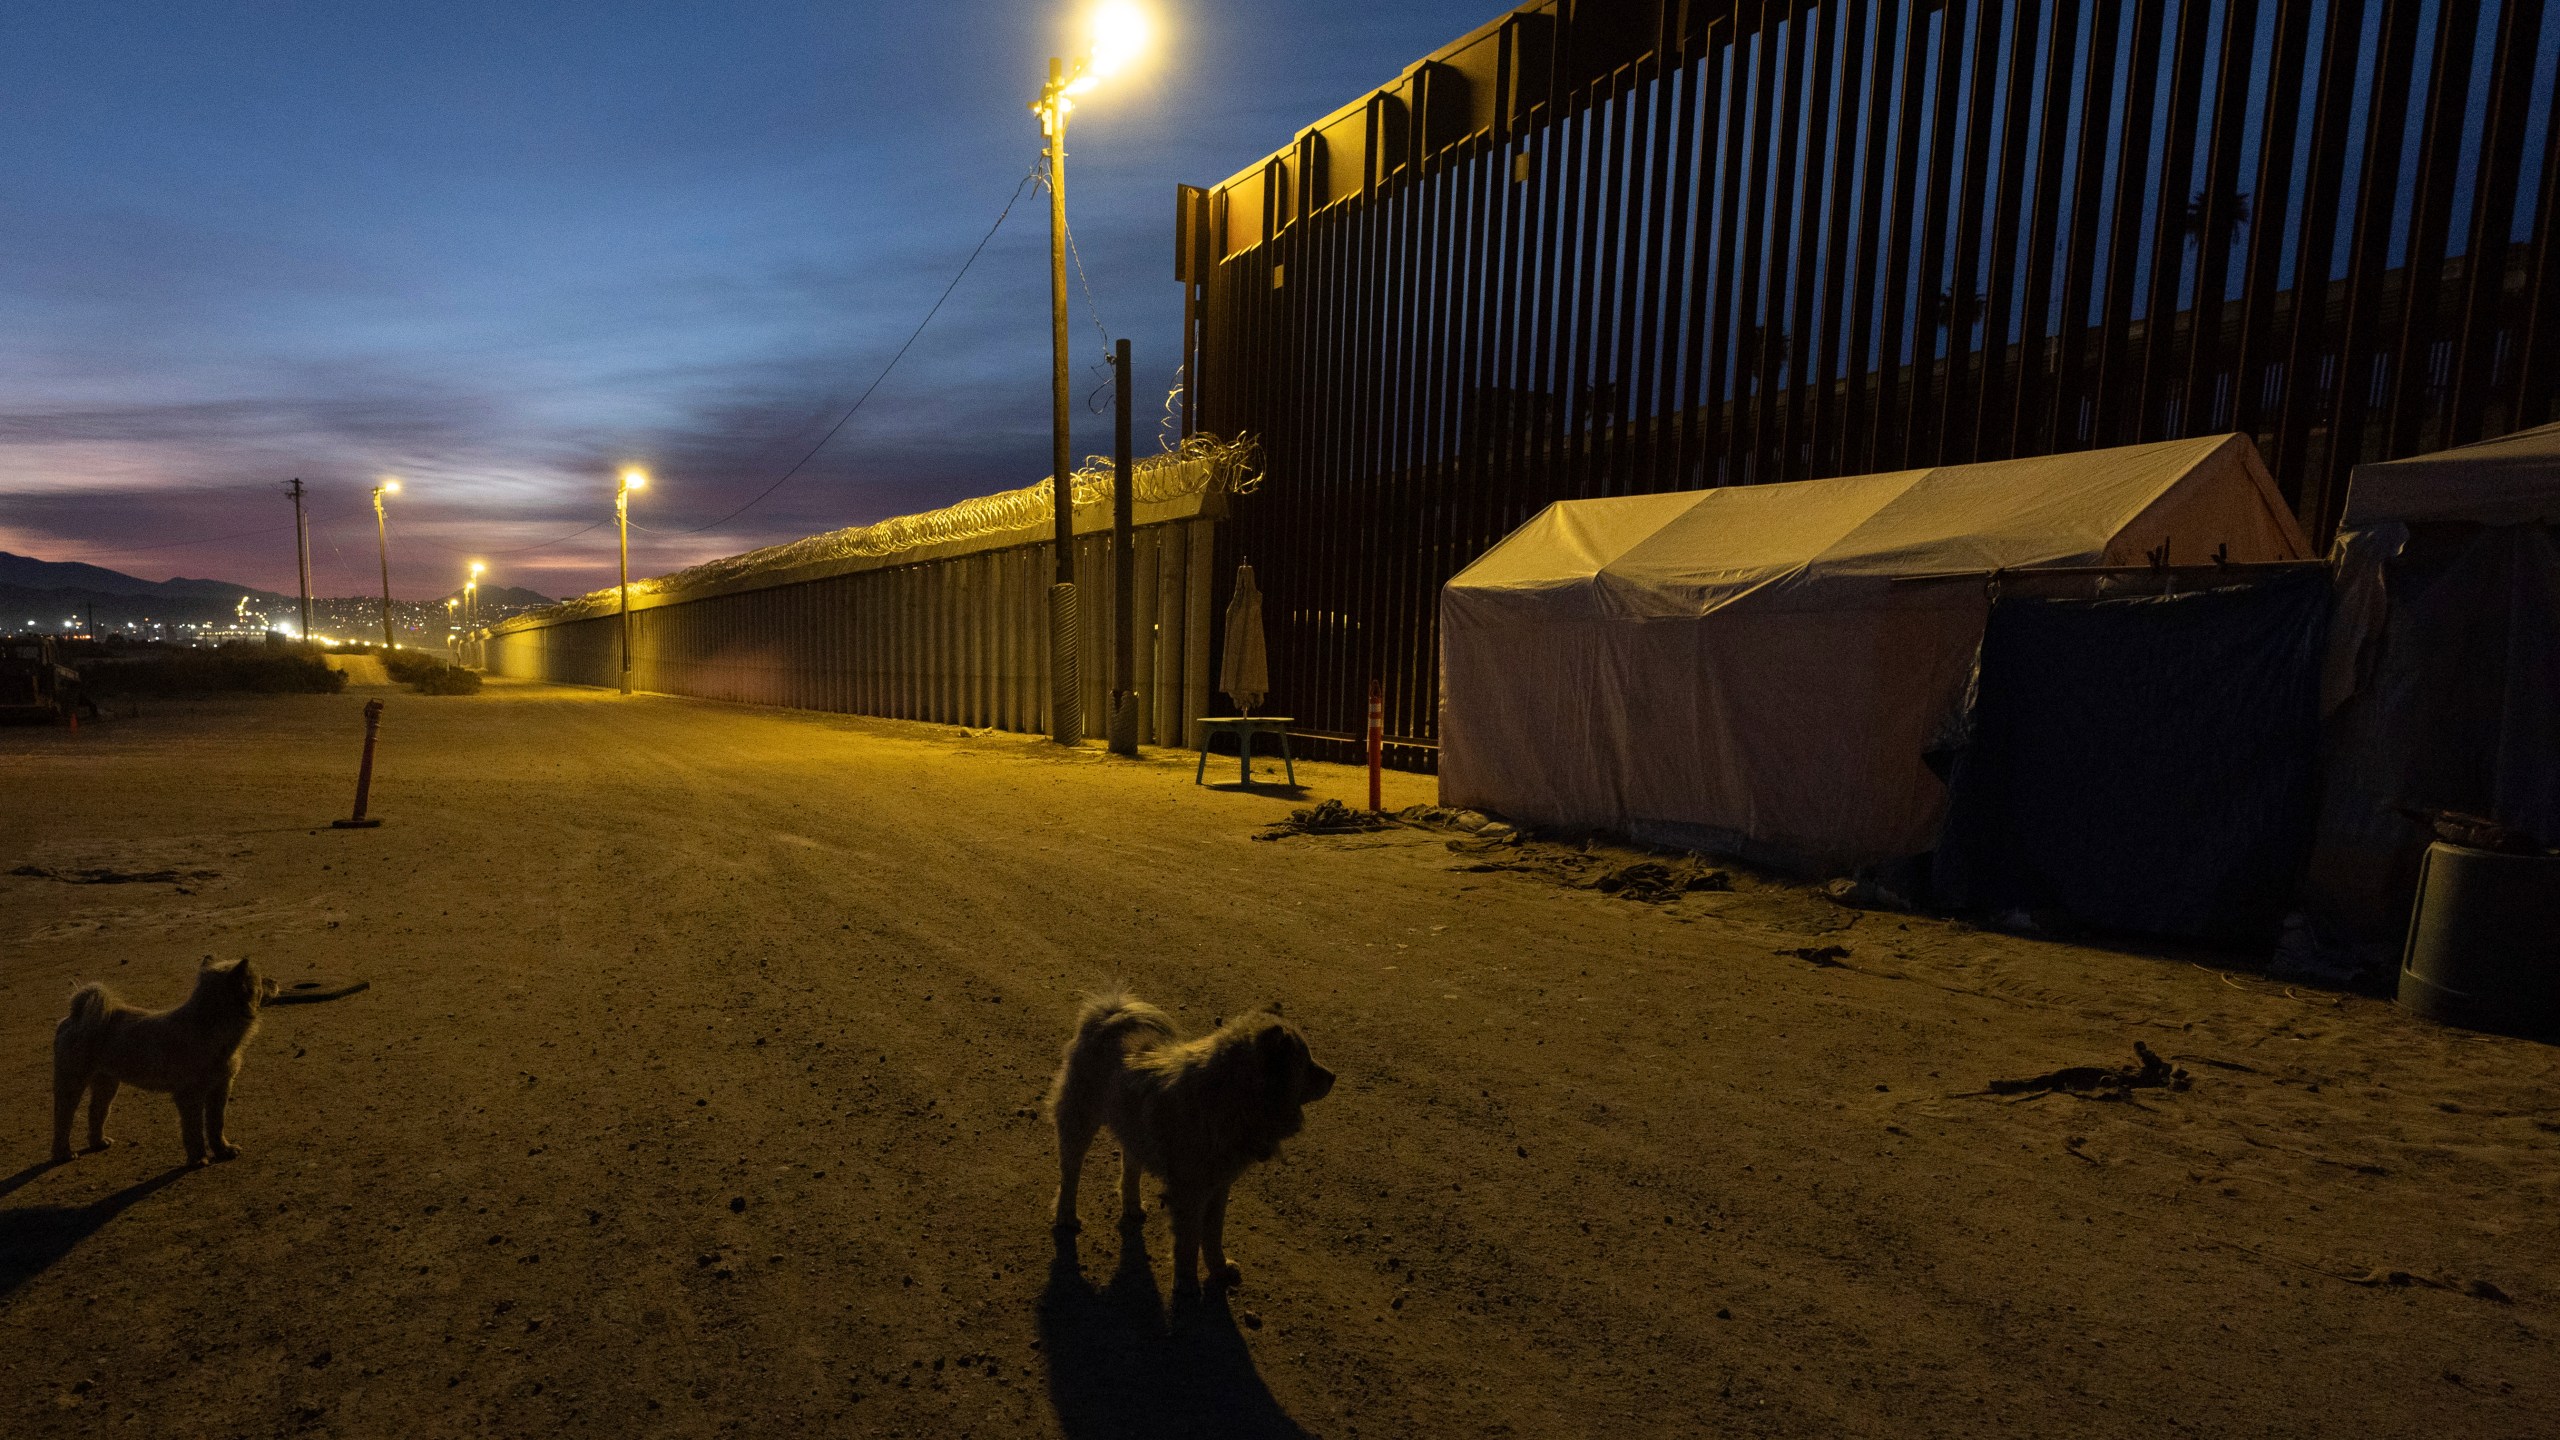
x=1696, y=551
x=2512, y=480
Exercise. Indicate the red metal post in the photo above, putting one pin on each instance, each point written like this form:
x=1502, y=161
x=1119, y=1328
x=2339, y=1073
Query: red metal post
x=1377, y=743
x=364, y=772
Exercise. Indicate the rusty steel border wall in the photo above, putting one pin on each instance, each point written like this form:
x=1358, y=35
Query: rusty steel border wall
x=955, y=635
x=1601, y=247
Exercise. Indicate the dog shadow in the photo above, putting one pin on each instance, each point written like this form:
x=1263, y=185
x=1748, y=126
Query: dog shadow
x=33, y=1237
x=1120, y=1365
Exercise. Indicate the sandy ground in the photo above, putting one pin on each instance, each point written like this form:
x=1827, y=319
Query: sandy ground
x=696, y=1093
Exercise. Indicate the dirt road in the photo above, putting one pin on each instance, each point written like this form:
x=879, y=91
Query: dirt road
x=695, y=1093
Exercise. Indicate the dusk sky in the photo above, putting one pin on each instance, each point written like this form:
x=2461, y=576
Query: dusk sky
x=499, y=249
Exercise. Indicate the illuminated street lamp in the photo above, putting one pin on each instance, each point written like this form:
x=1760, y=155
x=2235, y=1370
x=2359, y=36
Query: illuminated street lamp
x=633, y=479
x=382, y=537
x=471, y=594
x=1119, y=31
x=452, y=642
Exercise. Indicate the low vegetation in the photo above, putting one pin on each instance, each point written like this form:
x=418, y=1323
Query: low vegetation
x=246, y=665
x=429, y=675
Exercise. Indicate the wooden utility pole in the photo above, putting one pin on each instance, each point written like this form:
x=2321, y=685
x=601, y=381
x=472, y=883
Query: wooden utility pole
x=302, y=554
x=1066, y=683
x=382, y=538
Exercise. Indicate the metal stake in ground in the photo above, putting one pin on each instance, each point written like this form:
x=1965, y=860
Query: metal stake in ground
x=364, y=772
x=1124, y=567
x=1377, y=742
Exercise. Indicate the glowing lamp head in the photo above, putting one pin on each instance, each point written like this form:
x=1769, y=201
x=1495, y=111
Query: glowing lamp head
x=635, y=479
x=476, y=568
x=387, y=487
x=1120, y=32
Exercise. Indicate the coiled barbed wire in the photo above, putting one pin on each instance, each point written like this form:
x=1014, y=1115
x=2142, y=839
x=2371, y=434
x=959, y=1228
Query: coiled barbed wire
x=1199, y=465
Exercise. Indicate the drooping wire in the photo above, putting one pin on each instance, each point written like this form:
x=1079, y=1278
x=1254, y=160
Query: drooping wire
x=884, y=370
x=850, y=412
x=1101, y=369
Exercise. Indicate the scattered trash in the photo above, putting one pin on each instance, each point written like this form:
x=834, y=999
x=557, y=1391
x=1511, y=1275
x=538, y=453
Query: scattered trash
x=70, y=875
x=2384, y=1279
x=2477, y=832
x=312, y=992
x=1331, y=817
x=2306, y=953
x=2098, y=1082
x=1867, y=895
x=1472, y=822
x=1654, y=882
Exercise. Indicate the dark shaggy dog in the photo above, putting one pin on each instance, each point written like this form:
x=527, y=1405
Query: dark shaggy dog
x=190, y=1052
x=1195, y=1112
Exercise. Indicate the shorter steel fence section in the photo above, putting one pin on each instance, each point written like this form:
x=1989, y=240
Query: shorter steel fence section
x=957, y=640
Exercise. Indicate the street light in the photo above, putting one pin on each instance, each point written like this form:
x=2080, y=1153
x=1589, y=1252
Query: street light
x=382, y=537
x=1119, y=32
x=471, y=593
x=452, y=644
x=632, y=479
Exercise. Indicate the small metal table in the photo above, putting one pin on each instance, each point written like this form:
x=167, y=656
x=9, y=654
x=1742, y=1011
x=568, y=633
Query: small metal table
x=1244, y=728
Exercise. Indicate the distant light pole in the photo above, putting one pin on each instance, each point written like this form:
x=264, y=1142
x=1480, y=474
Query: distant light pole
x=1119, y=31
x=452, y=644
x=382, y=537
x=634, y=479
x=471, y=594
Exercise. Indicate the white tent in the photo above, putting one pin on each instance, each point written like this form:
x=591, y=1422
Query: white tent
x=2512, y=480
x=2443, y=685
x=1759, y=670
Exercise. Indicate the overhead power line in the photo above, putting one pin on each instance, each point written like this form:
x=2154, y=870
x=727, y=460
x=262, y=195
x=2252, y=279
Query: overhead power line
x=866, y=394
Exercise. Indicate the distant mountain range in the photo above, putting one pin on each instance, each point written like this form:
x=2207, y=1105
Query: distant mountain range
x=25, y=572
x=46, y=594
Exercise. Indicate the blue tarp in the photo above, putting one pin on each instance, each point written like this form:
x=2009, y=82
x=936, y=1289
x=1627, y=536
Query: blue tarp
x=2142, y=765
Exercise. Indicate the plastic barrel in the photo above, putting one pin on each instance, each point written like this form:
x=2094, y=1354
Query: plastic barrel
x=2484, y=941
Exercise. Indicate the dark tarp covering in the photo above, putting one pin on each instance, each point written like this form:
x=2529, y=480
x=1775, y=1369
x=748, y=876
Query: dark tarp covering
x=2142, y=765
x=2450, y=700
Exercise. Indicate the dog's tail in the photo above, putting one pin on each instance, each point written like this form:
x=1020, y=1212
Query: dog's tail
x=1106, y=1029
x=80, y=1030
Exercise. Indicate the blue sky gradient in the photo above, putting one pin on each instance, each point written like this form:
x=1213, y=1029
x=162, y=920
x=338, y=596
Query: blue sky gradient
x=498, y=250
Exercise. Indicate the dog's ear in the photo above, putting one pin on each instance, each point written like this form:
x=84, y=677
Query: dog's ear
x=1281, y=1051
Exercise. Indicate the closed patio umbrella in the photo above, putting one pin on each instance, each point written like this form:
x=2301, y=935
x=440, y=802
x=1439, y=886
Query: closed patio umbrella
x=1245, y=671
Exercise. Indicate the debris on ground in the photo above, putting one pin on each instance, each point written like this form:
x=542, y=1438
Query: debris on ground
x=2374, y=1278
x=93, y=876
x=1825, y=955
x=2099, y=1082
x=1569, y=868
x=1867, y=895
x=312, y=992
x=1654, y=881
x=2477, y=832
x=1469, y=822
x=2306, y=952
x=1330, y=817
x=2477, y=1289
